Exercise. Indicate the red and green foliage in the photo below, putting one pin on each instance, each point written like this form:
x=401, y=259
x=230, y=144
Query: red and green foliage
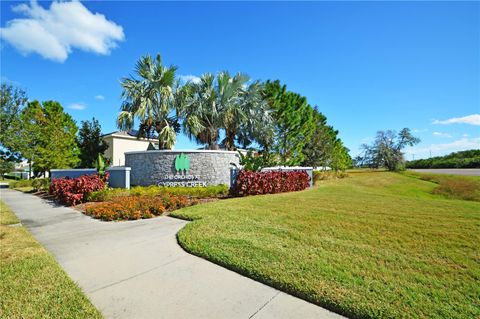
x=257, y=183
x=137, y=207
x=74, y=191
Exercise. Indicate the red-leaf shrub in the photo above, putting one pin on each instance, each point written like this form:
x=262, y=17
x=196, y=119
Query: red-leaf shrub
x=257, y=183
x=73, y=191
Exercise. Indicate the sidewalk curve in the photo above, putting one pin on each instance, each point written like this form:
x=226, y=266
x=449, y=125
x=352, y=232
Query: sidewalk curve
x=136, y=269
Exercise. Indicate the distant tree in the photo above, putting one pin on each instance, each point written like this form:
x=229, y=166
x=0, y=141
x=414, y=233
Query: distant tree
x=340, y=158
x=150, y=98
x=293, y=123
x=462, y=159
x=324, y=148
x=12, y=101
x=90, y=143
x=49, y=136
x=386, y=150
x=6, y=166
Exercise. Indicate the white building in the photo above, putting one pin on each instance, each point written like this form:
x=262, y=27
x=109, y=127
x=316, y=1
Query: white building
x=121, y=142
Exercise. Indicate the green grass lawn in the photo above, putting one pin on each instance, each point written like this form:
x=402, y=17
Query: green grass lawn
x=32, y=283
x=372, y=245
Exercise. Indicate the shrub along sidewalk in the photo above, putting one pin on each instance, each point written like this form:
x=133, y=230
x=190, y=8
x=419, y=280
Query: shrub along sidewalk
x=32, y=283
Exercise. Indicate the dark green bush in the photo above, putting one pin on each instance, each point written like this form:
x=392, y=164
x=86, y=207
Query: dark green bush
x=463, y=159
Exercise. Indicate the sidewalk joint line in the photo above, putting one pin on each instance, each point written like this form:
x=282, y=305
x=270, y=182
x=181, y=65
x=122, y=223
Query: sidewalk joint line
x=134, y=276
x=263, y=306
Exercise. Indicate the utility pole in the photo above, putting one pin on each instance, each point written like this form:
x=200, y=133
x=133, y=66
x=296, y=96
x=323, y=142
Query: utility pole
x=430, y=153
x=413, y=157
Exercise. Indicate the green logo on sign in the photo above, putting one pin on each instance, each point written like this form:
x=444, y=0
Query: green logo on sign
x=182, y=163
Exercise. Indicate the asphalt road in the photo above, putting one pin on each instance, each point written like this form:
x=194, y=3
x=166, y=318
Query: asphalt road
x=452, y=171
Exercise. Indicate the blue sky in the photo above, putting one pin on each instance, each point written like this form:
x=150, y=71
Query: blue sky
x=367, y=65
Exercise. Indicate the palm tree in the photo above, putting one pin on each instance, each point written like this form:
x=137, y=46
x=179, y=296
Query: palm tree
x=250, y=119
x=200, y=111
x=150, y=98
x=220, y=103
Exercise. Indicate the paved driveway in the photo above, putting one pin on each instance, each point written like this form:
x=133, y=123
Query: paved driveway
x=136, y=269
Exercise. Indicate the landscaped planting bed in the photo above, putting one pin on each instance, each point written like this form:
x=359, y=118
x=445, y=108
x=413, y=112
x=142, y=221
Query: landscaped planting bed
x=137, y=207
x=217, y=191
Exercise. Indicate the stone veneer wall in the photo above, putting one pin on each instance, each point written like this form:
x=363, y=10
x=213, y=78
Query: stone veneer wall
x=151, y=167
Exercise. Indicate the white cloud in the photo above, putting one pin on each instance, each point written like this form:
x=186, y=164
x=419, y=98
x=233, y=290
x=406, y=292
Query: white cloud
x=99, y=97
x=441, y=134
x=462, y=144
x=473, y=119
x=77, y=106
x=6, y=80
x=417, y=130
x=53, y=33
x=189, y=78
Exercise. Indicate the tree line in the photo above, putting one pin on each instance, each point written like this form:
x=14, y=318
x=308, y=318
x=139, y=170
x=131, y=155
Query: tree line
x=231, y=112
x=463, y=159
x=226, y=111
x=44, y=134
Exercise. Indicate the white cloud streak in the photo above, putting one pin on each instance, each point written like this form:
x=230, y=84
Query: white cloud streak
x=99, y=97
x=77, y=106
x=441, y=134
x=54, y=32
x=473, y=119
x=462, y=144
x=189, y=78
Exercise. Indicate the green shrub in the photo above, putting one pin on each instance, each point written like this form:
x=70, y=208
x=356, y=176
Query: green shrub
x=21, y=183
x=325, y=175
x=107, y=194
x=41, y=184
x=12, y=176
x=37, y=184
x=197, y=192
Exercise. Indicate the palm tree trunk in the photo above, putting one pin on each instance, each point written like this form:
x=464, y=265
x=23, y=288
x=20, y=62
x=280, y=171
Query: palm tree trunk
x=230, y=140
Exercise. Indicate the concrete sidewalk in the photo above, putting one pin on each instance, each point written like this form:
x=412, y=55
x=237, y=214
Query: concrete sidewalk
x=136, y=269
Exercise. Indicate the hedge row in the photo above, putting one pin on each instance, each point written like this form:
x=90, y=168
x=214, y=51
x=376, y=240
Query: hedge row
x=257, y=183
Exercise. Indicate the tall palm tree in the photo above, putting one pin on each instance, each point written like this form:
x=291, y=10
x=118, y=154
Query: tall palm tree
x=219, y=103
x=150, y=98
x=250, y=119
x=200, y=111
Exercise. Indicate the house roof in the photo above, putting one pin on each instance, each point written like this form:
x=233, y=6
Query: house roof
x=131, y=133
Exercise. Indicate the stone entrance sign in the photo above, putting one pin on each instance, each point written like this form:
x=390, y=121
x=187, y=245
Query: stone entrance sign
x=190, y=168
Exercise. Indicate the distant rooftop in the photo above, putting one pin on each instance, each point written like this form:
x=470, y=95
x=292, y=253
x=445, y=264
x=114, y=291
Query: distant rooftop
x=132, y=133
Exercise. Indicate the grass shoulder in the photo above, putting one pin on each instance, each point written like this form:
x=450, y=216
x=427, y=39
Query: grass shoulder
x=33, y=284
x=371, y=245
